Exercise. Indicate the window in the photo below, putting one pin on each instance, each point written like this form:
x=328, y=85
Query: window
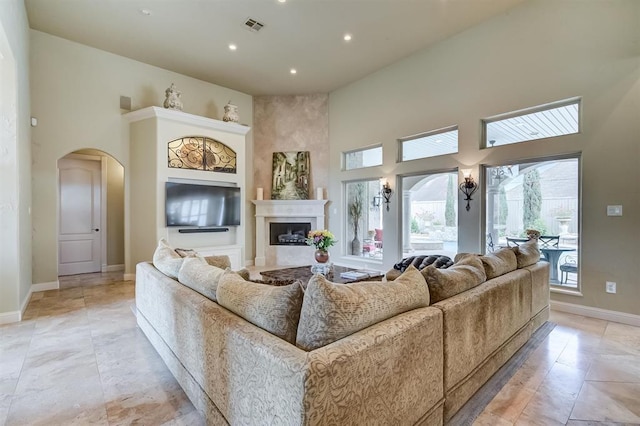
x=431, y=227
x=540, y=195
x=363, y=158
x=363, y=219
x=438, y=142
x=557, y=119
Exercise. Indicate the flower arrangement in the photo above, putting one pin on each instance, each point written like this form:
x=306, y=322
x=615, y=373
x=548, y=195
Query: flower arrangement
x=321, y=239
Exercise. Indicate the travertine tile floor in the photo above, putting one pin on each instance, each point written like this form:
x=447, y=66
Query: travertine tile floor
x=79, y=359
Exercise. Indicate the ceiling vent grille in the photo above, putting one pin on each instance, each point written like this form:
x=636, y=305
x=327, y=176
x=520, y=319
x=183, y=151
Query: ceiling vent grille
x=253, y=25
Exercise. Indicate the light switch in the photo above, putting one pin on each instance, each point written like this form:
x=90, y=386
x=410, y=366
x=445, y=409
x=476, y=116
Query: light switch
x=614, y=210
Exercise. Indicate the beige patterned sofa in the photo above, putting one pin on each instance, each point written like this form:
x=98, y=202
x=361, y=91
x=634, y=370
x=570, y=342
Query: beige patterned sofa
x=415, y=367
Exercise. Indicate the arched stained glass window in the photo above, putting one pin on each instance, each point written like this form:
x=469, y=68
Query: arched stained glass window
x=201, y=153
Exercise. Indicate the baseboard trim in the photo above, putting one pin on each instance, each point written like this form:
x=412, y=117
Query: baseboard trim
x=9, y=317
x=112, y=268
x=53, y=285
x=25, y=303
x=129, y=277
x=603, y=314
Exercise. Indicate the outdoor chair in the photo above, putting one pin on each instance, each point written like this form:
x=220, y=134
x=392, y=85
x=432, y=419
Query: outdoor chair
x=570, y=265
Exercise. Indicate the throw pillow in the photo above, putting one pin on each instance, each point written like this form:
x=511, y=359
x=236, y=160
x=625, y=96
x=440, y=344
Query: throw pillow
x=332, y=311
x=275, y=309
x=527, y=253
x=198, y=275
x=499, y=262
x=166, y=260
x=465, y=274
x=221, y=262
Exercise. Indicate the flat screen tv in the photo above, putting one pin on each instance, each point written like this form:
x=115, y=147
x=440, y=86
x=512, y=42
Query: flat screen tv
x=202, y=205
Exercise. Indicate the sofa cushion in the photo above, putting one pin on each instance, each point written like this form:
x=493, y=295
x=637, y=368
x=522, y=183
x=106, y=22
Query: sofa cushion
x=275, y=309
x=198, y=275
x=467, y=273
x=166, y=259
x=527, y=253
x=332, y=311
x=499, y=262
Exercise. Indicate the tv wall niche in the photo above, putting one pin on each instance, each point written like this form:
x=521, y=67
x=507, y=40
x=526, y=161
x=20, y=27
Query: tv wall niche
x=152, y=130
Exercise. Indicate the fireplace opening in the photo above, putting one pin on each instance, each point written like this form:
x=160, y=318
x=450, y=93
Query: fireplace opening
x=288, y=233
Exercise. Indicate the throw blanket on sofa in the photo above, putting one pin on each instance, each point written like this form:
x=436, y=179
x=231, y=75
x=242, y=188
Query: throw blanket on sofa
x=422, y=262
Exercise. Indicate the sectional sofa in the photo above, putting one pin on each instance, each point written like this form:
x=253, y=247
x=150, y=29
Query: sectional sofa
x=403, y=352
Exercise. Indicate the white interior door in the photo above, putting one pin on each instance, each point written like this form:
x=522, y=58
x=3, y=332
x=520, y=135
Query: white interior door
x=79, y=227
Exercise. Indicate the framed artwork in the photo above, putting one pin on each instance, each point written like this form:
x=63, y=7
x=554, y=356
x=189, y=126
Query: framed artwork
x=291, y=172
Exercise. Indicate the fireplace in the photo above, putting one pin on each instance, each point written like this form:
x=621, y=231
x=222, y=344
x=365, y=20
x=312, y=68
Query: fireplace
x=288, y=233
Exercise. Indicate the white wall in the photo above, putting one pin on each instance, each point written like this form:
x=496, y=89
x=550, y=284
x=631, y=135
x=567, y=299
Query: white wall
x=15, y=162
x=538, y=52
x=76, y=93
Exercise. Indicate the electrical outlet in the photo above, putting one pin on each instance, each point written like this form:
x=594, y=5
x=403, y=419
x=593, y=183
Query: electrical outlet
x=610, y=287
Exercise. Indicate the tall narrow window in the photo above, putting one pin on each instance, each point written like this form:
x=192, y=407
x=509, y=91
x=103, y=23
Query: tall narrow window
x=364, y=235
x=543, y=196
x=430, y=214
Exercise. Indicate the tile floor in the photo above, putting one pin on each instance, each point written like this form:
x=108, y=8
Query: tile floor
x=78, y=358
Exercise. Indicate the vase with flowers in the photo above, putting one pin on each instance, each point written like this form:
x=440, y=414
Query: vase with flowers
x=321, y=240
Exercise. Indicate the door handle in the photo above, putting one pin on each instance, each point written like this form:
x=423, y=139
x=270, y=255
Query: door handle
x=96, y=230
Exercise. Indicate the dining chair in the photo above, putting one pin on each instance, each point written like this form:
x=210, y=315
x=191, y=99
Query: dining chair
x=570, y=265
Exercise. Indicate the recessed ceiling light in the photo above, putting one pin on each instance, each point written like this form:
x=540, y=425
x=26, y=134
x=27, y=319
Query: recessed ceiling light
x=281, y=1
x=145, y=12
x=293, y=71
x=347, y=37
x=232, y=47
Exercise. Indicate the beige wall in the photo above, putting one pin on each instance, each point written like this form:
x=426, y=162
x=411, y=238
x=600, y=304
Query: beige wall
x=15, y=160
x=76, y=93
x=541, y=51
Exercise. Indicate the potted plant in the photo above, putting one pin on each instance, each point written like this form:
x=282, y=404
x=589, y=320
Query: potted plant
x=355, y=214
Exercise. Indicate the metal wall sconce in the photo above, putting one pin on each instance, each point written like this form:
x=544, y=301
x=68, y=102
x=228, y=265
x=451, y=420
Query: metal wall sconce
x=385, y=193
x=468, y=187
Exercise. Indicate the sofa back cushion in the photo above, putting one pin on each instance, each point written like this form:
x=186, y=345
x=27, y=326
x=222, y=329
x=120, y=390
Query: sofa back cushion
x=527, y=253
x=275, y=309
x=198, y=275
x=465, y=274
x=499, y=262
x=332, y=311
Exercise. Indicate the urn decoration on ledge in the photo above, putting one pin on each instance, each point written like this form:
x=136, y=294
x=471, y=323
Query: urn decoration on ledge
x=172, y=100
x=231, y=113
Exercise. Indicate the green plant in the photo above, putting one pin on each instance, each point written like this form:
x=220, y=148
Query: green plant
x=532, y=203
x=503, y=212
x=355, y=207
x=449, y=210
x=415, y=228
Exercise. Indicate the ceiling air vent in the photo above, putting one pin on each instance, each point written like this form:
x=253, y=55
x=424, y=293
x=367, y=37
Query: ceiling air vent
x=253, y=25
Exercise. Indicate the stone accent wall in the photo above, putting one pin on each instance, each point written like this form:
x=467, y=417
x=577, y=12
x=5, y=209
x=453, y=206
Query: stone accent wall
x=291, y=123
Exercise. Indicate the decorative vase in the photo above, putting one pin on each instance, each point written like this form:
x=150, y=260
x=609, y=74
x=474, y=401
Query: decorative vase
x=356, y=246
x=231, y=113
x=322, y=256
x=172, y=100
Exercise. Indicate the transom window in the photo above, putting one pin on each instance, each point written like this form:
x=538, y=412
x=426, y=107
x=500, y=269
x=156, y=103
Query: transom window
x=367, y=157
x=431, y=144
x=546, y=121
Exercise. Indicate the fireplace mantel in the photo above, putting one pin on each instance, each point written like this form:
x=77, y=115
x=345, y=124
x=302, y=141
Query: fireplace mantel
x=281, y=209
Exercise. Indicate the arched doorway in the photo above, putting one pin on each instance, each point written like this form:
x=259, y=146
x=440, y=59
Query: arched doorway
x=91, y=213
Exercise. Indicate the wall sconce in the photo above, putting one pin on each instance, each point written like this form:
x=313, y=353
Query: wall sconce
x=468, y=187
x=385, y=193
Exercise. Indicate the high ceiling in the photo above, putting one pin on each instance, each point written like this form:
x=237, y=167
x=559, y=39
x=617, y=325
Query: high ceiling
x=192, y=37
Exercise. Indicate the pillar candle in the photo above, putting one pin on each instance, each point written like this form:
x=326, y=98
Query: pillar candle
x=259, y=194
x=319, y=194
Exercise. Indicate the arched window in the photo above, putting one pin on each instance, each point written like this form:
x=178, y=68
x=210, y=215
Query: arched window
x=201, y=153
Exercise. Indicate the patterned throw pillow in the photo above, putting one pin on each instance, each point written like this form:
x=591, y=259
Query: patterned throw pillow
x=465, y=274
x=527, y=253
x=420, y=262
x=275, y=309
x=332, y=311
x=166, y=259
x=222, y=262
x=499, y=262
x=198, y=275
